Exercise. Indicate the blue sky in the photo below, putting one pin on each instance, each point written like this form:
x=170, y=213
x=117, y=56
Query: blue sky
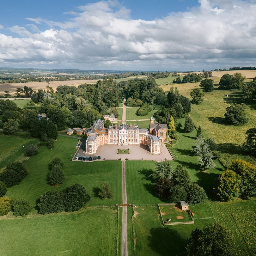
x=128, y=34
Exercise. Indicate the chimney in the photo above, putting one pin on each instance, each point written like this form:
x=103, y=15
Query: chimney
x=152, y=120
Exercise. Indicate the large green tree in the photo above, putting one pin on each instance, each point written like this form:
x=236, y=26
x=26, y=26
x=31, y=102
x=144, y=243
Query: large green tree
x=235, y=114
x=213, y=240
x=207, y=85
x=197, y=96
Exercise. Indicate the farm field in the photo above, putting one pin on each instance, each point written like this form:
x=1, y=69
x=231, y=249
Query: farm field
x=42, y=85
x=250, y=74
x=90, y=175
x=92, y=231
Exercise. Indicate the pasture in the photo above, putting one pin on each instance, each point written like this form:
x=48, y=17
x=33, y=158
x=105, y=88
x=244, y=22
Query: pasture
x=92, y=231
x=21, y=103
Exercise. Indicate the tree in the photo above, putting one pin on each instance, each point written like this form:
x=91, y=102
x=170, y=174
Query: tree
x=197, y=96
x=163, y=186
x=250, y=144
x=105, y=191
x=181, y=177
x=225, y=82
x=198, y=131
x=56, y=176
x=20, y=207
x=206, y=157
x=237, y=80
x=13, y=174
x=50, y=202
x=3, y=188
x=75, y=197
x=207, y=85
x=177, y=193
x=5, y=205
x=228, y=186
x=163, y=171
x=107, y=123
x=57, y=116
x=247, y=173
x=196, y=194
x=31, y=150
x=189, y=125
x=56, y=162
x=10, y=127
x=214, y=240
x=235, y=114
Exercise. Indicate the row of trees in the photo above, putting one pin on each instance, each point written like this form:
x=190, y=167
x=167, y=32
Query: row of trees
x=70, y=199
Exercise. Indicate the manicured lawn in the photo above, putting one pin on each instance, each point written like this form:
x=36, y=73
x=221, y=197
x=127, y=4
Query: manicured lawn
x=123, y=151
x=141, y=124
x=21, y=103
x=131, y=114
x=12, y=148
x=88, y=232
x=140, y=189
x=90, y=175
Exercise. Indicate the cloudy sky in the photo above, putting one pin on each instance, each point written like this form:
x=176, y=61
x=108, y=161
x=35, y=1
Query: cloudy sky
x=128, y=34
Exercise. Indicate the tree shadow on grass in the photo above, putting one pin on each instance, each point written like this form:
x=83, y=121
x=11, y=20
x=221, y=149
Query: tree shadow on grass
x=96, y=191
x=189, y=165
x=208, y=182
x=190, y=137
x=218, y=120
x=230, y=148
x=147, y=174
x=187, y=152
x=166, y=241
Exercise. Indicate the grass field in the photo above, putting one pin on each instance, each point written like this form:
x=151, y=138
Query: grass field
x=90, y=175
x=165, y=81
x=88, y=232
x=21, y=103
x=131, y=114
x=12, y=149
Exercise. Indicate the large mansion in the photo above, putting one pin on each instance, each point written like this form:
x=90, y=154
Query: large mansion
x=124, y=134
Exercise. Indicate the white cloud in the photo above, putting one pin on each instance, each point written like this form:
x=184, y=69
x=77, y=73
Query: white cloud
x=102, y=35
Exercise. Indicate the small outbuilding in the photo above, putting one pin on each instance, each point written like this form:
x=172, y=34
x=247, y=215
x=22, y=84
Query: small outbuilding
x=184, y=206
x=70, y=131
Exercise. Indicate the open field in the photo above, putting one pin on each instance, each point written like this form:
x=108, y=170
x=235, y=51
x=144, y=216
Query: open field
x=250, y=74
x=42, y=85
x=130, y=78
x=164, y=81
x=153, y=239
x=131, y=114
x=88, y=232
x=12, y=149
x=90, y=175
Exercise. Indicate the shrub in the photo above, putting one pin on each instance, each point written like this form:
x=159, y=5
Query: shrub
x=20, y=207
x=50, y=144
x=31, y=150
x=50, y=202
x=56, y=176
x=56, y=161
x=196, y=194
x=5, y=205
x=105, y=191
x=13, y=174
x=3, y=189
x=75, y=197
